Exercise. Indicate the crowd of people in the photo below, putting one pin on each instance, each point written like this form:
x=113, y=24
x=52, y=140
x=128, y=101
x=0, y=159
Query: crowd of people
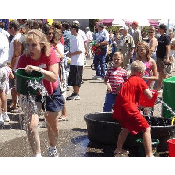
x=59, y=51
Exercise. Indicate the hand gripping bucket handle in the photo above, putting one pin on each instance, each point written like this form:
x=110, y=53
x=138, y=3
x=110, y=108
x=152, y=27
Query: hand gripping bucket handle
x=145, y=102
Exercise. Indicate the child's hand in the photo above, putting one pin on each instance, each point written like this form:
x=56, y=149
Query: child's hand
x=109, y=88
x=118, y=89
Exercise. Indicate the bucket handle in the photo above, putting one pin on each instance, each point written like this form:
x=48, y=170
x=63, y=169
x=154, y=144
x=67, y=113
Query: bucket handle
x=172, y=120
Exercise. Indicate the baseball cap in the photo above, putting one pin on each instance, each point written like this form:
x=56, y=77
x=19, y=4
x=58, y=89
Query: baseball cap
x=163, y=26
x=135, y=23
x=124, y=28
x=101, y=25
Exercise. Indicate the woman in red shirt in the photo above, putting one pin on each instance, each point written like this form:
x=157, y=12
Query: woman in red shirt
x=126, y=110
x=40, y=57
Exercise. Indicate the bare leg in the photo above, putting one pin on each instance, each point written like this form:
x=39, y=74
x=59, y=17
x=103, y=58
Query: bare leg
x=14, y=98
x=33, y=135
x=52, y=126
x=76, y=89
x=147, y=142
x=162, y=76
x=64, y=112
x=3, y=101
x=121, y=139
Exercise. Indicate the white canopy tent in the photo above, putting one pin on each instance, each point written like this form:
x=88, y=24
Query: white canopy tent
x=141, y=22
x=118, y=22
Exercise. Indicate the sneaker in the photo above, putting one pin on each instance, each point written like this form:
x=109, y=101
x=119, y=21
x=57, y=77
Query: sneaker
x=1, y=120
x=5, y=117
x=77, y=97
x=95, y=77
x=52, y=152
x=100, y=78
x=73, y=96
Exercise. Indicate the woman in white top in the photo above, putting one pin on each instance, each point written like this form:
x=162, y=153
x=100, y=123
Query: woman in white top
x=153, y=42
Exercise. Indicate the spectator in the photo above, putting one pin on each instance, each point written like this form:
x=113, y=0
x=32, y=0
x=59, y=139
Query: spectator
x=126, y=46
x=59, y=48
x=16, y=49
x=77, y=61
x=172, y=51
x=3, y=31
x=163, y=55
x=89, y=39
x=152, y=43
x=137, y=33
x=114, y=79
x=5, y=73
x=58, y=25
x=101, y=39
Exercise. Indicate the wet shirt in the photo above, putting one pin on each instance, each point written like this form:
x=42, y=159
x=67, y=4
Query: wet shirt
x=131, y=90
x=163, y=41
x=43, y=62
x=116, y=77
x=126, y=110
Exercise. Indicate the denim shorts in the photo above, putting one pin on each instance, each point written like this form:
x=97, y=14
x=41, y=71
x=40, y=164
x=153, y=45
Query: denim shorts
x=54, y=102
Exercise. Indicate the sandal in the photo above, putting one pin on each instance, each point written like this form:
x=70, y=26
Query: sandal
x=15, y=110
x=62, y=119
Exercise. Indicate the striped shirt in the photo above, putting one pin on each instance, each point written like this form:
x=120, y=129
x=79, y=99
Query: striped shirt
x=116, y=77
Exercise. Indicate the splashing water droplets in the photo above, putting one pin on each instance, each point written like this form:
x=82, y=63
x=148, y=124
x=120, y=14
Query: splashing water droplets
x=28, y=102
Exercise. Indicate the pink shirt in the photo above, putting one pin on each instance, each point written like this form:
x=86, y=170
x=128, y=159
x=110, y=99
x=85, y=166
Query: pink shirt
x=43, y=62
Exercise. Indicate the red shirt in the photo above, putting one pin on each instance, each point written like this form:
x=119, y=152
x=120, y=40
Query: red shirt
x=43, y=62
x=126, y=110
x=62, y=40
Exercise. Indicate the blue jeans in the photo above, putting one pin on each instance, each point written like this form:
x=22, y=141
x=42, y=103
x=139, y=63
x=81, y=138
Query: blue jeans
x=109, y=102
x=99, y=64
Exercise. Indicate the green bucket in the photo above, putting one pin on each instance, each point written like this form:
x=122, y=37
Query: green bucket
x=168, y=96
x=22, y=79
x=141, y=148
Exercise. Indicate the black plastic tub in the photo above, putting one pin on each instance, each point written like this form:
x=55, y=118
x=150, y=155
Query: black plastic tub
x=102, y=128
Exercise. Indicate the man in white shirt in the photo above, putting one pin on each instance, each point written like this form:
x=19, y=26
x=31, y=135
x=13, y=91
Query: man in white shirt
x=14, y=52
x=4, y=49
x=89, y=39
x=76, y=54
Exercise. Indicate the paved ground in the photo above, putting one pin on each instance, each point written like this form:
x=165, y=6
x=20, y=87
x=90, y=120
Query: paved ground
x=73, y=140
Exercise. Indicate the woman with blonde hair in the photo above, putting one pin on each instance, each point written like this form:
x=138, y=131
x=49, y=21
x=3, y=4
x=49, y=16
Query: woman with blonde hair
x=42, y=58
x=144, y=54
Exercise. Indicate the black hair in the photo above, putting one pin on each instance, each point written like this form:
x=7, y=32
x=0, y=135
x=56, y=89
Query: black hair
x=15, y=24
x=163, y=26
x=46, y=28
x=2, y=25
x=75, y=26
x=65, y=24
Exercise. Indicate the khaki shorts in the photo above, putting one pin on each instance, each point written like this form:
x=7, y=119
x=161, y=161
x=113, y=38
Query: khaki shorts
x=162, y=67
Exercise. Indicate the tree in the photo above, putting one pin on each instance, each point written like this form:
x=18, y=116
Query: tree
x=92, y=23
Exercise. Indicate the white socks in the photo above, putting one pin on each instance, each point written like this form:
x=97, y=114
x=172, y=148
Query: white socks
x=38, y=155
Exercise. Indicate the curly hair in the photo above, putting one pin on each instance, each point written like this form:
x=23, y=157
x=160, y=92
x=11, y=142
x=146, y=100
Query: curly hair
x=42, y=40
x=146, y=46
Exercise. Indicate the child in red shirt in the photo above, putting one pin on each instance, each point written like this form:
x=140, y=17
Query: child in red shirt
x=126, y=110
